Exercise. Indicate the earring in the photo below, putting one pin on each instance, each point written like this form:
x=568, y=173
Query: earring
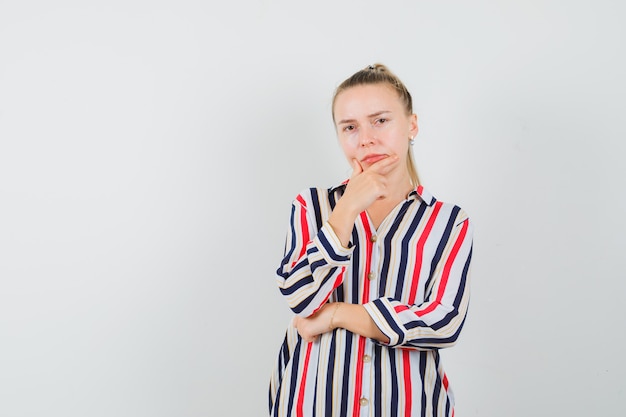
x=411, y=141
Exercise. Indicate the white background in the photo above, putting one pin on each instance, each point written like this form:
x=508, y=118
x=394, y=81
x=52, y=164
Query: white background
x=149, y=152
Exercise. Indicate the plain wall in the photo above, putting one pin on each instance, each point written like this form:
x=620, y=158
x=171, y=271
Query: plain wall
x=150, y=150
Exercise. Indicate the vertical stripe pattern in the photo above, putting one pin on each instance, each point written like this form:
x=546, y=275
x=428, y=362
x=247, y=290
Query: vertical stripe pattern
x=412, y=277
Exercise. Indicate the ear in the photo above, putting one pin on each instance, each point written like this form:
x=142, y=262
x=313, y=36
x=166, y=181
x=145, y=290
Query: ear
x=413, y=129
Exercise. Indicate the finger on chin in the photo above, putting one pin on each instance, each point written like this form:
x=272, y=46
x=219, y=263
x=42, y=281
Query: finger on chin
x=388, y=166
x=356, y=167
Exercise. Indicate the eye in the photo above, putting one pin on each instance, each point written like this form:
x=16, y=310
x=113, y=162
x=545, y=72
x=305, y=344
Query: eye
x=381, y=121
x=348, y=128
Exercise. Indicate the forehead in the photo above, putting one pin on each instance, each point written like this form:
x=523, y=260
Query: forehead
x=366, y=99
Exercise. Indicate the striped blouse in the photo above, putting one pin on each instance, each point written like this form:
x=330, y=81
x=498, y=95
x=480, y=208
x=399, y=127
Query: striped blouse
x=412, y=277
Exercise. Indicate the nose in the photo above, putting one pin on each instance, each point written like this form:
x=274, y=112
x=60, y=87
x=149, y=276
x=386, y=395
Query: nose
x=366, y=136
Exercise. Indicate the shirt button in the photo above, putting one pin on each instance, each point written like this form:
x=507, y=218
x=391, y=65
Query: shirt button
x=374, y=238
x=367, y=358
x=363, y=402
x=371, y=276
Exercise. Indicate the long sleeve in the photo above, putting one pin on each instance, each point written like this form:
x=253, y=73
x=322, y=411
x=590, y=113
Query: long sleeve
x=437, y=321
x=314, y=262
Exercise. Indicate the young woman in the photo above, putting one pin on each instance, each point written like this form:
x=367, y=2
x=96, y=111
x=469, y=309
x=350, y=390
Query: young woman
x=376, y=271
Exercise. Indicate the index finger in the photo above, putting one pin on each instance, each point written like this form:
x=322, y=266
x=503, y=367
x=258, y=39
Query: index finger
x=357, y=168
x=382, y=166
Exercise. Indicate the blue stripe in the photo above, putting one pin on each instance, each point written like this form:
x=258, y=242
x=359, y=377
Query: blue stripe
x=452, y=314
x=463, y=281
x=384, y=271
x=355, y=279
x=314, y=406
x=283, y=360
x=295, y=365
x=316, y=208
x=297, y=285
x=390, y=319
x=299, y=308
x=330, y=371
x=292, y=231
x=329, y=248
x=346, y=389
x=339, y=295
x=378, y=369
x=442, y=243
x=422, y=366
x=318, y=264
x=394, y=388
x=285, y=353
x=331, y=197
x=438, y=384
x=404, y=253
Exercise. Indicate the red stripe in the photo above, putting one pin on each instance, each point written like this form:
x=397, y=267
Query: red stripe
x=446, y=270
x=301, y=200
x=420, y=189
x=337, y=283
x=407, y=383
x=304, y=226
x=368, y=257
x=339, y=279
x=445, y=385
x=305, y=240
x=364, y=299
x=359, y=377
x=400, y=308
x=300, y=404
x=420, y=251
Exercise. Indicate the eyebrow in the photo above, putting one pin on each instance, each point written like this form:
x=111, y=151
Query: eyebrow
x=369, y=116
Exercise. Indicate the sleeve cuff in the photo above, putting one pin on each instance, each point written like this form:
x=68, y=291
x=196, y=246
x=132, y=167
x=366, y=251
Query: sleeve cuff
x=384, y=316
x=330, y=246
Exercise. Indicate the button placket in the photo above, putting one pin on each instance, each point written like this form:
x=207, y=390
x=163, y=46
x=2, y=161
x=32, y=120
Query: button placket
x=366, y=359
x=366, y=392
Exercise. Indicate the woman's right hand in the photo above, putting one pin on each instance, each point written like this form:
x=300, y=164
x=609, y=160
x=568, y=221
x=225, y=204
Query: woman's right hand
x=365, y=187
x=309, y=328
x=368, y=185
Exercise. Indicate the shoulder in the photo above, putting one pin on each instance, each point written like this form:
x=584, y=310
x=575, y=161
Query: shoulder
x=453, y=212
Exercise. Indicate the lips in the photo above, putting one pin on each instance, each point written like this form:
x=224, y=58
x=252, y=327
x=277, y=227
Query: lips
x=373, y=158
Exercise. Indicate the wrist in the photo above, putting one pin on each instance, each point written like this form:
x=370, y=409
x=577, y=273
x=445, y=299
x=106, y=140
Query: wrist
x=346, y=210
x=342, y=222
x=331, y=322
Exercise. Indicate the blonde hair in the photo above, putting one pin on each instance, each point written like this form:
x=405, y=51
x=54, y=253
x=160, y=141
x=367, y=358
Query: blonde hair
x=380, y=74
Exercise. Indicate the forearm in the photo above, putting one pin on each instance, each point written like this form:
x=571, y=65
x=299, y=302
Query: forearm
x=405, y=327
x=355, y=318
x=352, y=317
x=342, y=221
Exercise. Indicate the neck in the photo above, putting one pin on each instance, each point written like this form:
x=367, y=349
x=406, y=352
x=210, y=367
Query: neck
x=400, y=183
x=399, y=187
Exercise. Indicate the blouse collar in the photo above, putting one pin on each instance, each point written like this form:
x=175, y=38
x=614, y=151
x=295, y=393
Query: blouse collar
x=419, y=192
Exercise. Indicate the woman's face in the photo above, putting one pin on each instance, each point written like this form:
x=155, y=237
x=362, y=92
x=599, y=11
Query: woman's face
x=372, y=124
